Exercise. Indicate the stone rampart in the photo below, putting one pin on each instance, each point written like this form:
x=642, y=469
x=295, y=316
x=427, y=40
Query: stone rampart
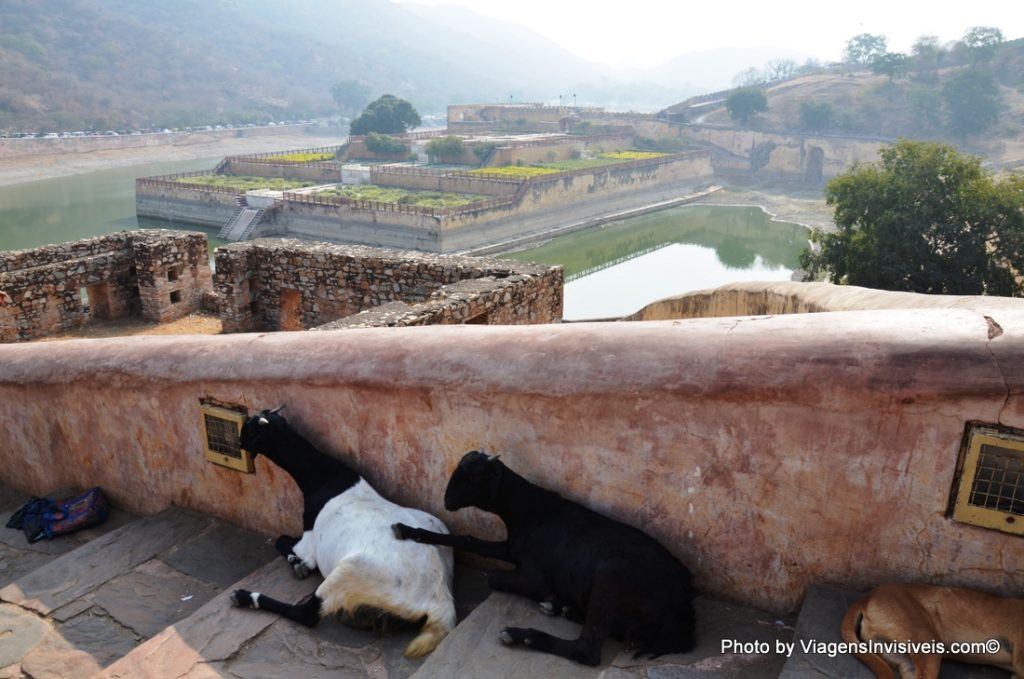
x=767, y=453
x=791, y=155
x=156, y=274
x=192, y=204
x=280, y=284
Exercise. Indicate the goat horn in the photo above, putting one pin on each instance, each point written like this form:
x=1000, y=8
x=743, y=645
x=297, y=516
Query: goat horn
x=278, y=409
x=263, y=420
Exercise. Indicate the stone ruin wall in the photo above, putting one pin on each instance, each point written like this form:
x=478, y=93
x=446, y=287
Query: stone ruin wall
x=284, y=284
x=159, y=275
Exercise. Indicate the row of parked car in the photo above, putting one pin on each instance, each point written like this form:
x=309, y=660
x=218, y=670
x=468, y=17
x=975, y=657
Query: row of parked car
x=117, y=133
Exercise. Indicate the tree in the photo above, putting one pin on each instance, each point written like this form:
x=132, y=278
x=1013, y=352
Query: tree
x=744, y=102
x=927, y=55
x=448, y=148
x=925, y=219
x=387, y=115
x=863, y=48
x=780, y=69
x=350, y=95
x=815, y=116
x=982, y=41
x=891, y=64
x=971, y=102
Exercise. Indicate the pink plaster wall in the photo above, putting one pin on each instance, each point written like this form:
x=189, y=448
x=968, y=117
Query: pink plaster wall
x=767, y=452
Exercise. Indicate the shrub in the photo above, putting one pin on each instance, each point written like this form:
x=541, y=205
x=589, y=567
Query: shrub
x=446, y=148
x=383, y=143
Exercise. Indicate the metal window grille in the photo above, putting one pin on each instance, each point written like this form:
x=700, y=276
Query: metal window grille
x=991, y=482
x=221, y=429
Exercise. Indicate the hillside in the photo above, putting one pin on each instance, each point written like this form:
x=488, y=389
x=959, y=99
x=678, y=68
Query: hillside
x=911, y=105
x=99, y=64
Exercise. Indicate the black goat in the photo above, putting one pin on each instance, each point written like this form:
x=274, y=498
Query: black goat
x=371, y=580
x=616, y=580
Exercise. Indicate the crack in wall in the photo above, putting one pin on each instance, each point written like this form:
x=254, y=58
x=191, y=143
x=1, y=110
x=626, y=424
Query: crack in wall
x=995, y=330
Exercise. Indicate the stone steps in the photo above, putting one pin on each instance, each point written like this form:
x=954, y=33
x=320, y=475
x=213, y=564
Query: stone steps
x=149, y=597
x=18, y=557
x=84, y=609
x=473, y=651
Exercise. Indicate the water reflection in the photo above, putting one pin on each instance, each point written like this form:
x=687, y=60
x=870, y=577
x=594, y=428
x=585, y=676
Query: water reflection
x=79, y=206
x=618, y=268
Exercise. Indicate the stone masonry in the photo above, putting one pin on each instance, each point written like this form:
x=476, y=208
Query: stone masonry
x=286, y=284
x=157, y=274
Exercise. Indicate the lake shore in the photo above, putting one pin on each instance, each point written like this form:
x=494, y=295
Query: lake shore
x=784, y=203
x=35, y=168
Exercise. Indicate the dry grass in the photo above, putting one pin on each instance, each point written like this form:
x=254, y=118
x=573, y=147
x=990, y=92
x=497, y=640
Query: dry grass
x=193, y=324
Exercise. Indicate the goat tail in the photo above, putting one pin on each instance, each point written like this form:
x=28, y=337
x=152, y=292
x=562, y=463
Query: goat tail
x=351, y=586
x=851, y=633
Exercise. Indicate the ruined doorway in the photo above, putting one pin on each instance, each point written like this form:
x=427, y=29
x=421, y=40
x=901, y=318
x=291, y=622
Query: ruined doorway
x=291, y=310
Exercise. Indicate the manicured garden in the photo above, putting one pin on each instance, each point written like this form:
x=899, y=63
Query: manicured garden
x=245, y=183
x=388, y=194
x=540, y=169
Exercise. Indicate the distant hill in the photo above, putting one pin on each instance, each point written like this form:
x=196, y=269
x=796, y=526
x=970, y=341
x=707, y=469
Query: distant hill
x=99, y=64
x=862, y=103
x=112, y=64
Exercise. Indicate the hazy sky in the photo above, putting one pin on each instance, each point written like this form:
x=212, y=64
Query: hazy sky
x=647, y=32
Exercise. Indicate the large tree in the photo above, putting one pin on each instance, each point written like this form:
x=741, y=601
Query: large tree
x=744, y=102
x=387, y=115
x=982, y=42
x=925, y=219
x=863, y=48
x=971, y=101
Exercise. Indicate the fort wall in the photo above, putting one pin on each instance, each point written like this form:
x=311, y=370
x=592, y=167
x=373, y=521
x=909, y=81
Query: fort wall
x=159, y=275
x=767, y=453
x=279, y=284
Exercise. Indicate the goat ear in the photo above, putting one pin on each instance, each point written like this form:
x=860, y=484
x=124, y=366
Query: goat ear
x=263, y=420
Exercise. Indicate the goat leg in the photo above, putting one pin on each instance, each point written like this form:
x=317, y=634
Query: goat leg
x=493, y=550
x=306, y=612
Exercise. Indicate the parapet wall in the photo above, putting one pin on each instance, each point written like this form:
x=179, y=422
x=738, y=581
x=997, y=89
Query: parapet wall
x=157, y=274
x=280, y=284
x=764, y=298
x=768, y=453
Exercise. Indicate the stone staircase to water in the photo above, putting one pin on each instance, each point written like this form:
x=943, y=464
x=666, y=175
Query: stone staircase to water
x=241, y=224
x=147, y=597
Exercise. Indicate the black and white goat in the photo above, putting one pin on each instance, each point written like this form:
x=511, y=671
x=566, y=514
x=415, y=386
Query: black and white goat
x=370, y=579
x=616, y=580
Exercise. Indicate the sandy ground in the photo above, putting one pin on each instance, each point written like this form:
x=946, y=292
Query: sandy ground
x=787, y=203
x=28, y=169
x=193, y=324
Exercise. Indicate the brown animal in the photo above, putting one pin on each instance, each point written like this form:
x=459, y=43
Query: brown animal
x=925, y=614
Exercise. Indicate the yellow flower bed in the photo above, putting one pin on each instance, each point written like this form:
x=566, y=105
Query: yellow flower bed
x=515, y=172
x=303, y=157
x=632, y=155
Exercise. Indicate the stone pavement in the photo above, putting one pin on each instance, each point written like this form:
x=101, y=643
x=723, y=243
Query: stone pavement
x=149, y=598
x=473, y=651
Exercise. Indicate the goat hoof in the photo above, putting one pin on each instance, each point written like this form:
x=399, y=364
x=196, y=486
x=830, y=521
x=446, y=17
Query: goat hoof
x=299, y=569
x=241, y=598
x=511, y=636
